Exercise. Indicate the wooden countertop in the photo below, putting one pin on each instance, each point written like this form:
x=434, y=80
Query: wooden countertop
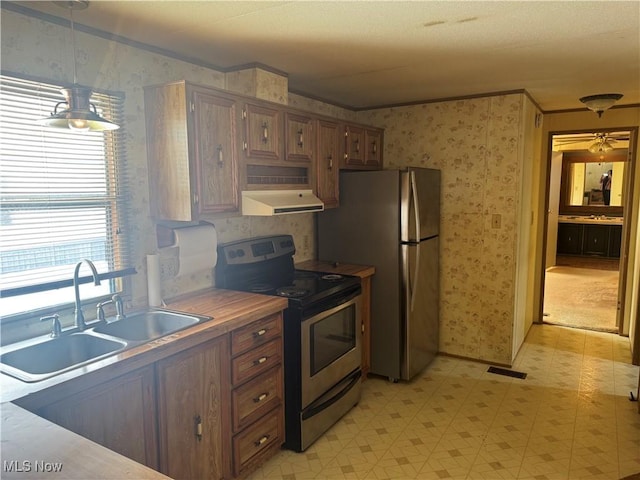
x=229, y=309
x=29, y=438
x=361, y=271
x=33, y=447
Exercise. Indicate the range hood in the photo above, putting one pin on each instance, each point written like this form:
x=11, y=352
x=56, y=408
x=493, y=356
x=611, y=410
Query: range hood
x=279, y=202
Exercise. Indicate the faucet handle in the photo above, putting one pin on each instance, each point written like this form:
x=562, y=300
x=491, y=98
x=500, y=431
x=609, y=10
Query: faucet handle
x=100, y=310
x=56, y=329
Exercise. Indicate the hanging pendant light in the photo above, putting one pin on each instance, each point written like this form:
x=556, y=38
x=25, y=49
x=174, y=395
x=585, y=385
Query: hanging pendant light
x=80, y=115
x=601, y=102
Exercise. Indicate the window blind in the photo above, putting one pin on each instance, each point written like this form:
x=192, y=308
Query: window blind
x=63, y=197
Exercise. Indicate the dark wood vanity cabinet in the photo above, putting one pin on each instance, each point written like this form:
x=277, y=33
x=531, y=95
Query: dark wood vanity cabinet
x=589, y=239
x=596, y=240
x=570, y=238
x=615, y=240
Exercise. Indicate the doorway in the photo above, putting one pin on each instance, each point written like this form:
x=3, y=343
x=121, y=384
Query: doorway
x=587, y=193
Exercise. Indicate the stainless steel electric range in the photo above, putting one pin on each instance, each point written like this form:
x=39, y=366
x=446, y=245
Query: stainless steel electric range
x=322, y=336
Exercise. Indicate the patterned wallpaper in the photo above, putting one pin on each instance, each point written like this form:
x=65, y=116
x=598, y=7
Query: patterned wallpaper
x=474, y=142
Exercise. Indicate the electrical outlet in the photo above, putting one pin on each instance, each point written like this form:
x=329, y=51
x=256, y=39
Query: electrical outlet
x=496, y=220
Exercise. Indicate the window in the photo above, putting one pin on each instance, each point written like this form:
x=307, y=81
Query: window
x=62, y=199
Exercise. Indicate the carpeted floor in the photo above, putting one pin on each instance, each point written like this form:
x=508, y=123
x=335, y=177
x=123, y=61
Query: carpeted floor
x=581, y=297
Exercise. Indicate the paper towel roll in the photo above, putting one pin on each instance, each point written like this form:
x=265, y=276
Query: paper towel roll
x=197, y=248
x=154, y=288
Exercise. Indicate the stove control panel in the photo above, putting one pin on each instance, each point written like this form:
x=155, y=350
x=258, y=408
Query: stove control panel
x=256, y=249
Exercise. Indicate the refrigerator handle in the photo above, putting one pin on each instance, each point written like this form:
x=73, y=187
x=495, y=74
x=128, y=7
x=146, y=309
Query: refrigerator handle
x=416, y=210
x=414, y=286
x=416, y=206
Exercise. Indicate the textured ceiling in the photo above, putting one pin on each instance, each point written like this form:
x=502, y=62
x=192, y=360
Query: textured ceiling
x=366, y=53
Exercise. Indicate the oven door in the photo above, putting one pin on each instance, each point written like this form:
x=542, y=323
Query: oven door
x=331, y=348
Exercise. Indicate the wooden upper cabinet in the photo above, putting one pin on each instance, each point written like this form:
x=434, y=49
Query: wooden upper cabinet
x=191, y=151
x=329, y=151
x=215, y=120
x=373, y=148
x=263, y=133
x=299, y=138
x=193, y=413
x=363, y=148
x=353, y=146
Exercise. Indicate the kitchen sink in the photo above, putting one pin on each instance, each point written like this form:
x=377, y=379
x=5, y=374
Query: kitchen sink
x=146, y=326
x=39, y=360
x=54, y=356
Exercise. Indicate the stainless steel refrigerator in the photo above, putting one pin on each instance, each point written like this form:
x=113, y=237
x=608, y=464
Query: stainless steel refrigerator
x=390, y=219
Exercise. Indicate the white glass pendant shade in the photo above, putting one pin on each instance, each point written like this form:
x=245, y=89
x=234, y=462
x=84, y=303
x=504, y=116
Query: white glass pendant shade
x=601, y=102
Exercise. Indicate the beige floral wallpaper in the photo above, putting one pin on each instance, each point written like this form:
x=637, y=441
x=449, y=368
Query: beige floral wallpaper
x=475, y=142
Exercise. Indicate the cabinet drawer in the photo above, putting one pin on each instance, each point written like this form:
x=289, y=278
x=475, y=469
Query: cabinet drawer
x=256, y=397
x=256, y=361
x=254, y=334
x=257, y=439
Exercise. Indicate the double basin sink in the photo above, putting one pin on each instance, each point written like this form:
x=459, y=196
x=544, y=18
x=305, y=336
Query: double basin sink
x=32, y=362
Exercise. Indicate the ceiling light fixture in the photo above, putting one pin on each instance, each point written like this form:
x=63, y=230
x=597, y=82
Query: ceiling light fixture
x=601, y=102
x=601, y=145
x=80, y=115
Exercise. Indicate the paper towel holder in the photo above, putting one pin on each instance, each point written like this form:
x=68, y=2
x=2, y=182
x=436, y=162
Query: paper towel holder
x=165, y=234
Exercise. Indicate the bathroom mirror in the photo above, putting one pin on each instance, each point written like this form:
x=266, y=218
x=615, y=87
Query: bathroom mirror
x=591, y=184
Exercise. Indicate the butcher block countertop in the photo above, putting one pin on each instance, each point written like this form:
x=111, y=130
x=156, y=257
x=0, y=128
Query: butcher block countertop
x=29, y=438
x=361, y=271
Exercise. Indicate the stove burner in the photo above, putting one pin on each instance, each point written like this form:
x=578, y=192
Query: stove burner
x=332, y=277
x=261, y=288
x=292, y=292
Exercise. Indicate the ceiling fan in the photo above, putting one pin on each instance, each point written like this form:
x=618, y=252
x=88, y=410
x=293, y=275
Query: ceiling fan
x=593, y=142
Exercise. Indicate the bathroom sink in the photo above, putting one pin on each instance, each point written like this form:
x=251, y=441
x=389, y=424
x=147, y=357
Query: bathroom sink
x=54, y=356
x=146, y=326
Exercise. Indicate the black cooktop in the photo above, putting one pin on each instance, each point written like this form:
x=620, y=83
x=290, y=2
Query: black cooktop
x=265, y=265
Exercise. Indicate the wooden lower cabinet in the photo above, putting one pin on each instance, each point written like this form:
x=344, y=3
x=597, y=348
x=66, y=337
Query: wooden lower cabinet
x=257, y=393
x=119, y=414
x=192, y=412
x=212, y=411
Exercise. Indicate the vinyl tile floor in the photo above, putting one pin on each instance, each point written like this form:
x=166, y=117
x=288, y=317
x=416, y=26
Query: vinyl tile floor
x=570, y=418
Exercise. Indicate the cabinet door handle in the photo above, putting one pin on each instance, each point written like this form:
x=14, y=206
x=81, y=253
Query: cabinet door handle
x=357, y=145
x=198, y=425
x=300, y=139
x=260, y=360
x=261, y=441
x=374, y=147
x=220, y=160
x=330, y=158
x=260, y=397
x=259, y=333
x=265, y=132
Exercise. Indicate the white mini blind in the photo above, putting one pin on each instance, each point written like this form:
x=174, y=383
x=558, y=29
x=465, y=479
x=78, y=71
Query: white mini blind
x=63, y=197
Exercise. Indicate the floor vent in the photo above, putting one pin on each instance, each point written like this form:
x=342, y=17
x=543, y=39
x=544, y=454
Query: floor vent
x=508, y=373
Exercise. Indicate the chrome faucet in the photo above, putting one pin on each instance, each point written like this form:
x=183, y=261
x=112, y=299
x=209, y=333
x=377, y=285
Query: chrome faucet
x=80, y=324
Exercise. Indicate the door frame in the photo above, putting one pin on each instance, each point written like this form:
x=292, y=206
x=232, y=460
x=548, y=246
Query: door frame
x=627, y=209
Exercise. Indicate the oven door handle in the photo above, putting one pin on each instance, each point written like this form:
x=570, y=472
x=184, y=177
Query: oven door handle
x=319, y=405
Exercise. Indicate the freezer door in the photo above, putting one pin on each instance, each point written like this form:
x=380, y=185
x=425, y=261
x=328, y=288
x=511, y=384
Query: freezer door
x=419, y=204
x=421, y=306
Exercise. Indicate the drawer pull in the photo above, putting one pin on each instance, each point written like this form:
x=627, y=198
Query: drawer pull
x=261, y=441
x=260, y=397
x=198, y=425
x=260, y=360
x=259, y=333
